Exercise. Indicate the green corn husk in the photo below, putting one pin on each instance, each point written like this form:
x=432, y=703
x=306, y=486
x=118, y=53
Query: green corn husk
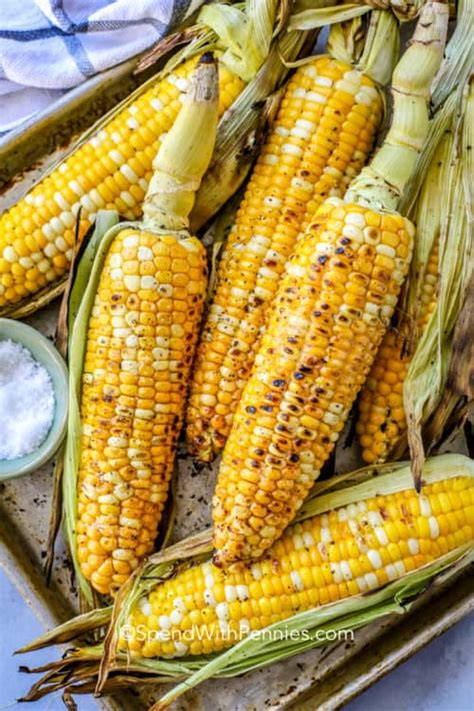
x=458, y=63
x=372, y=46
x=438, y=386
x=428, y=370
x=81, y=299
x=308, y=15
x=74, y=290
x=82, y=667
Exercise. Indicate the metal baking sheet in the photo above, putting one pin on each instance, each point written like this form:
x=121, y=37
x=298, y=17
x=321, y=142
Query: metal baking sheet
x=325, y=678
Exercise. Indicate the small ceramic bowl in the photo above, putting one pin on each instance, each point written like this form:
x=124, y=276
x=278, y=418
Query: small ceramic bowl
x=45, y=353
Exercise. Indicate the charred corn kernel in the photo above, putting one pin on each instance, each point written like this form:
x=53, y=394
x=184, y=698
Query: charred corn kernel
x=312, y=360
x=256, y=596
x=127, y=459
x=316, y=147
x=381, y=413
x=110, y=170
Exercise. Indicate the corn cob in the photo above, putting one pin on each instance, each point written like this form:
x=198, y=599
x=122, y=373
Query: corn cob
x=322, y=137
x=382, y=416
x=140, y=344
x=111, y=170
x=363, y=545
x=329, y=316
x=345, y=552
x=328, y=319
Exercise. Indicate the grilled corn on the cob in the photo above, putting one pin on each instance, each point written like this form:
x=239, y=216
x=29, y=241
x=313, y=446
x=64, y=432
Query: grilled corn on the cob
x=381, y=413
x=345, y=551
x=331, y=310
x=140, y=345
x=363, y=546
x=321, y=138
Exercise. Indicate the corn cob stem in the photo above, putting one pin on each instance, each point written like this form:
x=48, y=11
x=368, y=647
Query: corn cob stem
x=184, y=155
x=140, y=342
x=330, y=314
x=381, y=184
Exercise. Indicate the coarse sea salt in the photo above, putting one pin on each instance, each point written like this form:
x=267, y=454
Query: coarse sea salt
x=27, y=401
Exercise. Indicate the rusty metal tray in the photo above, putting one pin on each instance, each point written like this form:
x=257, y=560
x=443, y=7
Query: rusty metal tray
x=324, y=678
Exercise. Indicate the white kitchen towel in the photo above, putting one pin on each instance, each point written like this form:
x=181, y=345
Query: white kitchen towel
x=49, y=46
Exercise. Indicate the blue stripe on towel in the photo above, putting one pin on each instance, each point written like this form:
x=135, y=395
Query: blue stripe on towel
x=30, y=35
